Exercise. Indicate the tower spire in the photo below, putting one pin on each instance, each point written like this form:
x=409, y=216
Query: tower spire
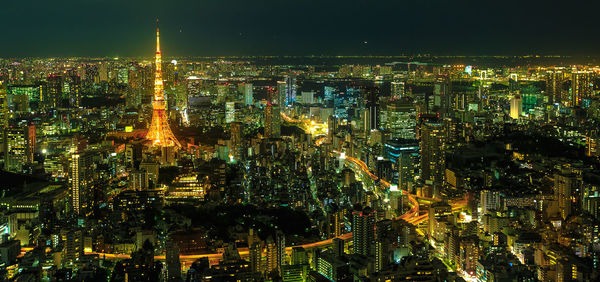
x=160, y=132
x=157, y=38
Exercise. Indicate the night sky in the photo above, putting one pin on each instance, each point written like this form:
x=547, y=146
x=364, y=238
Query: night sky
x=298, y=27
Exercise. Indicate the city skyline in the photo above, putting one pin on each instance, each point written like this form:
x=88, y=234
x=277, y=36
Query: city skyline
x=300, y=168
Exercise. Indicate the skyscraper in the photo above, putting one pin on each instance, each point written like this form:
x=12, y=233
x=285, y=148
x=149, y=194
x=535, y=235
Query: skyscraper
x=255, y=256
x=281, y=255
x=371, y=114
x=281, y=93
x=248, y=94
x=30, y=136
x=4, y=115
x=400, y=118
x=489, y=201
x=52, y=95
x=160, y=133
x=15, y=148
x=554, y=82
x=271, y=258
x=433, y=158
x=397, y=89
x=564, y=188
x=290, y=90
x=363, y=229
x=272, y=120
x=71, y=90
x=76, y=181
x=172, y=259
x=229, y=112
x=442, y=96
x=516, y=106
x=236, y=139
x=580, y=87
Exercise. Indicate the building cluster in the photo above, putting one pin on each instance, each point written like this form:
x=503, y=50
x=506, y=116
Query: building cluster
x=213, y=169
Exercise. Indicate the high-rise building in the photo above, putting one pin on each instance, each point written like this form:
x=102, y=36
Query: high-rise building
x=71, y=93
x=236, y=139
x=52, y=94
x=371, y=112
x=76, y=182
x=442, y=96
x=437, y=213
x=229, y=112
x=397, y=89
x=328, y=93
x=516, y=107
x=299, y=256
x=290, y=88
x=581, y=87
x=81, y=166
x=335, y=221
x=152, y=169
x=30, y=136
x=489, y=201
x=564, y=188
x=133, y=98
x=433, y=155
x=338, y=247
x=103, y=71
x=271, y=258
x=400, y=118
x=332, y=127
x=4, y=115
x=255, y=254
x=139, y=180
x=566, y=270
x=74, y=244
x=281, y=94
x=281, y=255
x=469, y=254
x=193, y=86
x=272, y=121
x=363, y=229
x=407, y=160
x=15, y=148
x=554, y=84
x=308, y=97
x=248, y=94
x=384, y=237
x=159, y=132
x=32, y=92
x=172, y=260
x=222, y=92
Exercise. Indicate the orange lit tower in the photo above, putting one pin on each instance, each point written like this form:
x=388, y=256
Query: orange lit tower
x=159, y=132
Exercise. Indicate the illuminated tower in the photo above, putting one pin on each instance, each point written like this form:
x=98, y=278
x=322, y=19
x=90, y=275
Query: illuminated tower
x=159, y=132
